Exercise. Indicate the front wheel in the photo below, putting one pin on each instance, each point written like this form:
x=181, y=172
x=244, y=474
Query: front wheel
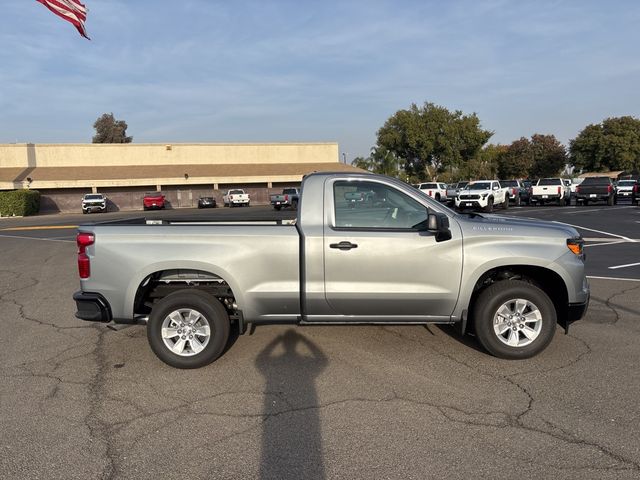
x=514, y=319
x=489, y=207
x=188, y=329
x=505, y=204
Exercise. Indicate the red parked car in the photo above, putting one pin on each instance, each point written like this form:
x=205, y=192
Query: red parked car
x=153, y=200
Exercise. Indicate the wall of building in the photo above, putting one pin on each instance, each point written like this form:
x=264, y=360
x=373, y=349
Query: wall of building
x=98, y=155
x=130, y=198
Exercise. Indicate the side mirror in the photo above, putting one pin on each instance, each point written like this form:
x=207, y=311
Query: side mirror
x=437, y=223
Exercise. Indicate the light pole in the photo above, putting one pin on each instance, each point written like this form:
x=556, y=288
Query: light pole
x=344, y=158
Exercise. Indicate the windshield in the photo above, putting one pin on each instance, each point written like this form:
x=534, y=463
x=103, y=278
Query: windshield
x=93, y=197
x=236, y=192
x=428, y=185
x=509, y=183
x=545, y=182
x=626, y=183
x=479, y=186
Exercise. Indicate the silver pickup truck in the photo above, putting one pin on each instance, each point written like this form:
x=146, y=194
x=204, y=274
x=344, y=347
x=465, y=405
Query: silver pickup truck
x=402, y=259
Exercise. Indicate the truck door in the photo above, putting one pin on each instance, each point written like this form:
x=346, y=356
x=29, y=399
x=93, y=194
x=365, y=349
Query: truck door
x=376, y=264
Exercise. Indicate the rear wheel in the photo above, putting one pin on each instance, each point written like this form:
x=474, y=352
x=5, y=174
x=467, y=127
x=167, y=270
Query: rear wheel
x=294, y=204
x=188, y=329
x=514, y=319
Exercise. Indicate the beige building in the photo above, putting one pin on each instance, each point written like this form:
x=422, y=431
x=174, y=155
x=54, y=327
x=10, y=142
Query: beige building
x=124, y=172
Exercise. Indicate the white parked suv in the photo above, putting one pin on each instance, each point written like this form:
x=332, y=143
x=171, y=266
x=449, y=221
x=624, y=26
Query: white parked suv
x=94, y=202
x=436, y=190
x=483, y=194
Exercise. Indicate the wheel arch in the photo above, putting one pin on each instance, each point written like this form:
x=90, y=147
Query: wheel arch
x=193, y=274
x=544, y=278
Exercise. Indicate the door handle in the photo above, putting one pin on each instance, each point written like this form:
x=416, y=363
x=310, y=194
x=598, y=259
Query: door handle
x=343, y=245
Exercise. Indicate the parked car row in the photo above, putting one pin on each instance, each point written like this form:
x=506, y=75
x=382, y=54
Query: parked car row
x=487, y=194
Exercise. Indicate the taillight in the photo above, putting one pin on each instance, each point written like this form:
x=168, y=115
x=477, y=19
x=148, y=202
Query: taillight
x=286, y=198
x=609, y=188
x=430, y=192
x=84, y=239
x=635, y=188
x=577, y=189
x=513, y=191
x=559, y=190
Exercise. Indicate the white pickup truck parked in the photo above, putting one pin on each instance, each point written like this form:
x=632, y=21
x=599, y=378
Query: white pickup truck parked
x=550, y=190
x=236, y=197
x=436, y=190
x=484, y=195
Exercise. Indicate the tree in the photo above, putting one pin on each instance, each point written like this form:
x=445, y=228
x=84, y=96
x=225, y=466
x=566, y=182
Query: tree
x=431, y=139
x=542, y=156
x=380, y=161
x=486, y=163
x=549, y=156
x=613, y=144
x=110, y=130
x=517, y=160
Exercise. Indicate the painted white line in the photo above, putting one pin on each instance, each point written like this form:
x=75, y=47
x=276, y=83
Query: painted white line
x=615, y=278
x=34, y=238
x=606, y=243
x=625, y=266
x=598, y=231
x=594, y=210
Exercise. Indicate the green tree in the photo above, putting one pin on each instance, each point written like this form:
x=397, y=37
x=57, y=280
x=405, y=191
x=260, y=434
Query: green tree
x=613, y=144
x=485, y=164
x=380, y=161
x=516, y=160
x=431, y=139
x=549, y=156
x=110, y=130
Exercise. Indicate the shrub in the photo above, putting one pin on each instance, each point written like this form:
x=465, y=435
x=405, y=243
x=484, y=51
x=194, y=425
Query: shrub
x=19, y=203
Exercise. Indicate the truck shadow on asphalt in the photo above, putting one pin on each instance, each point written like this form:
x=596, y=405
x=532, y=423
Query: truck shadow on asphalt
x=291, y=438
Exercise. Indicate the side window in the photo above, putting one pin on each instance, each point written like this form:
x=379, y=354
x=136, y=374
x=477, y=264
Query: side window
x=373, y=205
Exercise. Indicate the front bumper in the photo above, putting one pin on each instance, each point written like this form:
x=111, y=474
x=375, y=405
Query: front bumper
x=92, y=307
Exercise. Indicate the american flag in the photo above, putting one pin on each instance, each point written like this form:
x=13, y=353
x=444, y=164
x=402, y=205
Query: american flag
x=70, y=10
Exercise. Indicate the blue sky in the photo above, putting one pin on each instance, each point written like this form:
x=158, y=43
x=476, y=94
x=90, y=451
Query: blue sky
x=253, y=71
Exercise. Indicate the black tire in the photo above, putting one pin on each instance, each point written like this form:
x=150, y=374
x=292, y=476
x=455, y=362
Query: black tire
x=84, y=212
x=585, y=202
x=209, y=307
x=518, y=201
x=505, y=204
x=489, y=207
x=437, y=197
x=486, y=308
x=294, y=205
x=277, y=207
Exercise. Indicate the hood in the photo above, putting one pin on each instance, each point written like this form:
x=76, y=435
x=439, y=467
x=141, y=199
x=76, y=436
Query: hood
x=515, y=225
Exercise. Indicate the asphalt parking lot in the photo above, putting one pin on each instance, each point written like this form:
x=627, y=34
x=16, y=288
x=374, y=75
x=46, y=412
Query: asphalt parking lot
x=83, y=401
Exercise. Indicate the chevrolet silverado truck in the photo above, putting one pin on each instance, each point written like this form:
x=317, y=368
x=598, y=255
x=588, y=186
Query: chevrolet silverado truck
x=94, y=202
x=483, y=195
x=288, y=198
x=550, y=190
x=404, y=259
x=236, y=197
x=596, y=189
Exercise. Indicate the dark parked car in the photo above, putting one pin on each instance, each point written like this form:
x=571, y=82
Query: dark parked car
x=206, y=202
x=153, y=200
x=596, y=189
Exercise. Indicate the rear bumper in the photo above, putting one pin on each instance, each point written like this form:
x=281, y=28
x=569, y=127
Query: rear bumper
x=92, y=307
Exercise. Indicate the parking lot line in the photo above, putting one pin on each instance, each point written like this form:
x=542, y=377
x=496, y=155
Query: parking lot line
x=605, y=243
x=614, y=278
x=41, y=227
x=598, y=231
x=34, y=238
x=595, y=210
x=624, y=266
